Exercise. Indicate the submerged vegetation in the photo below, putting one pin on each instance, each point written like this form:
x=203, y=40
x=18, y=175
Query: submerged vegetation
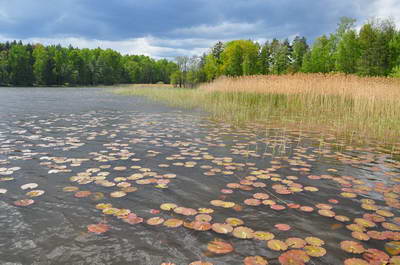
x=357, y=107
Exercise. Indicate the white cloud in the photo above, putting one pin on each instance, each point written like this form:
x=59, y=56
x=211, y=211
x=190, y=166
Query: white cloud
x=150, y=46
x=386, y=9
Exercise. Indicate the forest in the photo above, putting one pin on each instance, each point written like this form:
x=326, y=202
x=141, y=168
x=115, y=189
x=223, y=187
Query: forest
x=38, y=65
x=371, y=50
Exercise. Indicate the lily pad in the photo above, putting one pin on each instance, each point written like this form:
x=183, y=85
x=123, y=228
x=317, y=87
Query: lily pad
x=255, y=260
x=277, y=245
x=219, y=247
x=98, y=228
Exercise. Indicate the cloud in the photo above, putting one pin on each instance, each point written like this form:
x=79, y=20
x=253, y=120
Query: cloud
x=165, y=28
x=387, y=9
x=150, y=46
x=222, y=30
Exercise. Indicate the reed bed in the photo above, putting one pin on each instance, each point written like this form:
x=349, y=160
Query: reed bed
x=362, y=108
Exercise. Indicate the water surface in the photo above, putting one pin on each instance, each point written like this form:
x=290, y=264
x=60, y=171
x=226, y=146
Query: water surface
x=81, y=137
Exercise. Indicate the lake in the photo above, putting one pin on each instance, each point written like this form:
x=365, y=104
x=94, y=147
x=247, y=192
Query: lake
x=90, y=177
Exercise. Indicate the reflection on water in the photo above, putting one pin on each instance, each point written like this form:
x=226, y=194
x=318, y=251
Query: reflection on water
x=103, y=159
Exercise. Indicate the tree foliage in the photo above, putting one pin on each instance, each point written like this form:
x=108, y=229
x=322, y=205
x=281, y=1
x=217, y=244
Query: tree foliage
x=28, y=65
x=374, y=50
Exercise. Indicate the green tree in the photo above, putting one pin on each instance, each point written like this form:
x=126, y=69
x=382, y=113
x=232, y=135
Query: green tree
x=21, y=73
x=321, y=57
x=217, y=50
x=264, y=60
x=348, y=53
x=211, y=67
x=40, y=67
x=281, y=60
x=300, y=48
x=374, y=39
x=394, y=46
x=240, y=57
x=4, y=74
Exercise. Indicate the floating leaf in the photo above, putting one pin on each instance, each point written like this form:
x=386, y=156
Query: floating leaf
x=243, y=232
x=117, y=194
x=278, y=207
x=393, y=247
x=360, y=236
x=314, y=241
x=203, y=217
x=168, y=206
x=348, y=194
x=234, y=221
x=376, y=235
x=205, y=210
x=173, y=223
x=70, y=189
x=364, y=222
x=98, y=228
x=25, y=202
x=395, y=260
x=252, y=202
x=35, y=193
x=132, y=219
x=315, y=251
x=352, y=247
x=110, y=210
x=277, y=245
x=29, y=186
x=222, y=228
x=261, y=235
x=342, y=218
x=355, y=261
x=306, y=209
x=223, y=204
x=295, y=242
x=391, y=226
x=294, y=257
x=255, y=260
x=82, y=194
x=385, y=213
x=376, y=256
x=327, y=213
x=185, y=211
x=283, y=227
x=219, y=247
x=155, y=221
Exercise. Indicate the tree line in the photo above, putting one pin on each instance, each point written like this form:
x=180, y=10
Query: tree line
x=39, y=65
x=373, y=50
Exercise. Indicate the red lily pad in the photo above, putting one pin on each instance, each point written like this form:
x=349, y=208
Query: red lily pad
x=98, y=228
x=219, y=247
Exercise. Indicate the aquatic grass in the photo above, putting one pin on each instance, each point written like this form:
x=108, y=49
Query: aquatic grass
x=362, y=108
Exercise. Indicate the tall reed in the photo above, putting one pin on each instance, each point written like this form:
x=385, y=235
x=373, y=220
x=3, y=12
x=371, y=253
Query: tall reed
x=363, y=107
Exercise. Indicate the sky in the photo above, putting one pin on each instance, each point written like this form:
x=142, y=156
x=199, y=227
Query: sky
x=169, y=28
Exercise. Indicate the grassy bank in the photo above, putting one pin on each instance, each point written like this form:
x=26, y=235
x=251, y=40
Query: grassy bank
x=363, y=108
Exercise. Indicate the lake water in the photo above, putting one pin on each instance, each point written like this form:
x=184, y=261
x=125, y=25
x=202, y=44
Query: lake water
x=86, y=148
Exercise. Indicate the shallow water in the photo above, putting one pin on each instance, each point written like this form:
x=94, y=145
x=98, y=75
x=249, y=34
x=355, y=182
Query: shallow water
x=62, y=137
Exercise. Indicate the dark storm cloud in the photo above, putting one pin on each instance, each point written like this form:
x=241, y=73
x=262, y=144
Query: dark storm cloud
x=122, y=19
x=169, y=20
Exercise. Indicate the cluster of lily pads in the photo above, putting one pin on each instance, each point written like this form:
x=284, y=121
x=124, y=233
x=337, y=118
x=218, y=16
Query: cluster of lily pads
x=256, y=173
